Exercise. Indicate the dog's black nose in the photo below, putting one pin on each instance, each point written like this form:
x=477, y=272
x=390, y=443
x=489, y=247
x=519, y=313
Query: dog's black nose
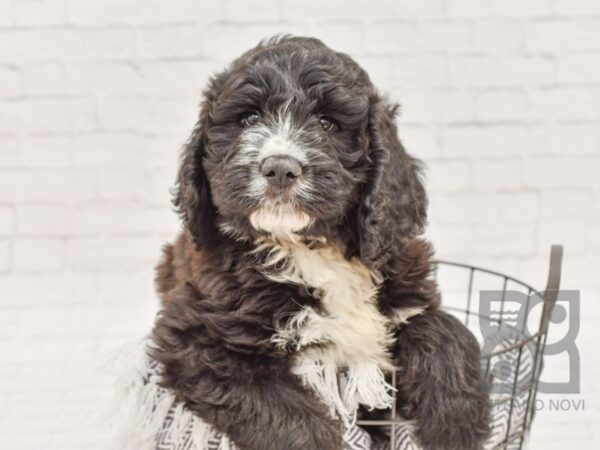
x=281, y=171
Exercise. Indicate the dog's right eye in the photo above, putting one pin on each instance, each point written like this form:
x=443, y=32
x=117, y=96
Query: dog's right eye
x=250, y=118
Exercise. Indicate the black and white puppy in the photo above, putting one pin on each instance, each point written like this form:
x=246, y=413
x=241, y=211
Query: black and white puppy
x=300, y=264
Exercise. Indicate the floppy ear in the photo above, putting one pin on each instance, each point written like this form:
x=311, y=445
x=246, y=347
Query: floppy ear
x=393, y=206
x=192, y=192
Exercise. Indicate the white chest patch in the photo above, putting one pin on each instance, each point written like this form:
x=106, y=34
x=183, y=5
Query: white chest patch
x=347, y=365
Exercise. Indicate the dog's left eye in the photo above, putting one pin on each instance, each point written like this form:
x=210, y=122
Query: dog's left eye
x=250, y=118
x=327, y=123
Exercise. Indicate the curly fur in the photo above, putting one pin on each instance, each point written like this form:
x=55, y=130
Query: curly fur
x=245, y=312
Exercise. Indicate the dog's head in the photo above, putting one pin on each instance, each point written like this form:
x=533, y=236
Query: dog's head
x=293, y=138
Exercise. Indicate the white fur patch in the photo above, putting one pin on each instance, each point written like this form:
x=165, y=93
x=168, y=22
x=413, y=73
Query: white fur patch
x=354, y=335
x=279, y=220
x=278, y=138
x=261, y=141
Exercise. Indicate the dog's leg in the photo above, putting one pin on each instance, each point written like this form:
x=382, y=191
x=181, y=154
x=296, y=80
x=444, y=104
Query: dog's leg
x=273, y=412
x=440, y=382
x=237, y=385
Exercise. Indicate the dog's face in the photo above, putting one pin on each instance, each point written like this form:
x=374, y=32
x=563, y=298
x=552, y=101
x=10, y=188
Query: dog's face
x=294, y=139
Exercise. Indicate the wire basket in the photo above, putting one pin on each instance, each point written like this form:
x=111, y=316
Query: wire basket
x=512, y=356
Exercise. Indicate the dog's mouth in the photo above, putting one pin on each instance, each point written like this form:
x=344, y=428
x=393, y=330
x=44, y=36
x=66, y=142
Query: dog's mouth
x=279, y=218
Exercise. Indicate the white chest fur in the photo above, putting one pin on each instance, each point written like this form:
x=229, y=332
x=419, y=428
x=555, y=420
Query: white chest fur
x=347, y=368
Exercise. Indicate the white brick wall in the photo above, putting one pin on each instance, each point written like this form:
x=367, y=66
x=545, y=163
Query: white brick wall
x=501, y=98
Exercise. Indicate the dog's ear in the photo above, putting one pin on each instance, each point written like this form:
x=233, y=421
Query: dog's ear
x=393, y=205
x=192, y=192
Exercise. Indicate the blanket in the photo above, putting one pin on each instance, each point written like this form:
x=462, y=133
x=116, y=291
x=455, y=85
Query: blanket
x=151, y=419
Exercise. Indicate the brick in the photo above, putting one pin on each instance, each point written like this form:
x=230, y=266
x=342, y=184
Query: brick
x=128, y=12
x=177, y=76
x=5, y=12
x=10, y=156
x=4, y=255
x=566, y=172
x=172, y=41
x=549, y=36
x=149, y=114
x=571, y=233
x=124, y=219
x=44, y=219
x=497, y=175
x=49, y=115
x=108, y=43
x=35, y=44
x=379, y=68
x=44, y=78
x=51, y=185
x=252, y=10
x=38, y=255
x=423, y=142
x=498, y=36
x=581, y=68
x=125, y=183
x=494, y=141
x=594, y=244
x=7, y=221
x=519, y=9
x=113, y=254
x=10, y=82
x=40, y=12
x=569, y=204
x=26, y=289
x=482, y=209
x=104, y=77
x=467, y=8
x=491, y=71
x=92, y=321
x=46, y=151
x=14, y=438
x=578, y=8
x=348, y=37
x=447, y=176
x=129, y=287
x=424, y=9
x=473, y=241
x=231, y=45
x=435, y=105
x=420, y=71
x=576, y=139
x=501, y=105
x=306, y=10
x=124, y=149
x=402, y=38
x=565, y=103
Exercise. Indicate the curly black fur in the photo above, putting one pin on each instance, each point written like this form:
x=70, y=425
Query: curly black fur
x=213, y=335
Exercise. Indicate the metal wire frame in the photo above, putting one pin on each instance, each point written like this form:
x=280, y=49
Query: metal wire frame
x=513, y=439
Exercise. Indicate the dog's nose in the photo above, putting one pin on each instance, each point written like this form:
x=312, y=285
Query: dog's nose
x=281, y=171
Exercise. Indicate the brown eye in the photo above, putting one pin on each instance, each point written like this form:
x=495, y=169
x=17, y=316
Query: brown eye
x=327, y=123
x=250, y=118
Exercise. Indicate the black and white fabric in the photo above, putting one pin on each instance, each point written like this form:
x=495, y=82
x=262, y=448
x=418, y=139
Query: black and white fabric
x=163, y=424
x=512, y=375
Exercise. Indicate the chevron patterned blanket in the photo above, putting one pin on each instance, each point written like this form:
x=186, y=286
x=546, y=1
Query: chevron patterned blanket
x=163, y=424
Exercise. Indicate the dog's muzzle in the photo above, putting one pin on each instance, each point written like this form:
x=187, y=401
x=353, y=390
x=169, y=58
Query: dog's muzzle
x=281, y=171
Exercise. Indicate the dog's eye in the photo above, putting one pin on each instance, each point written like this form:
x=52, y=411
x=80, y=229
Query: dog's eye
x=327, y=123
x=250, y=118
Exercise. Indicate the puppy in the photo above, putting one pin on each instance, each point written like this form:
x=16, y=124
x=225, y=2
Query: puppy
x=299, y=281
